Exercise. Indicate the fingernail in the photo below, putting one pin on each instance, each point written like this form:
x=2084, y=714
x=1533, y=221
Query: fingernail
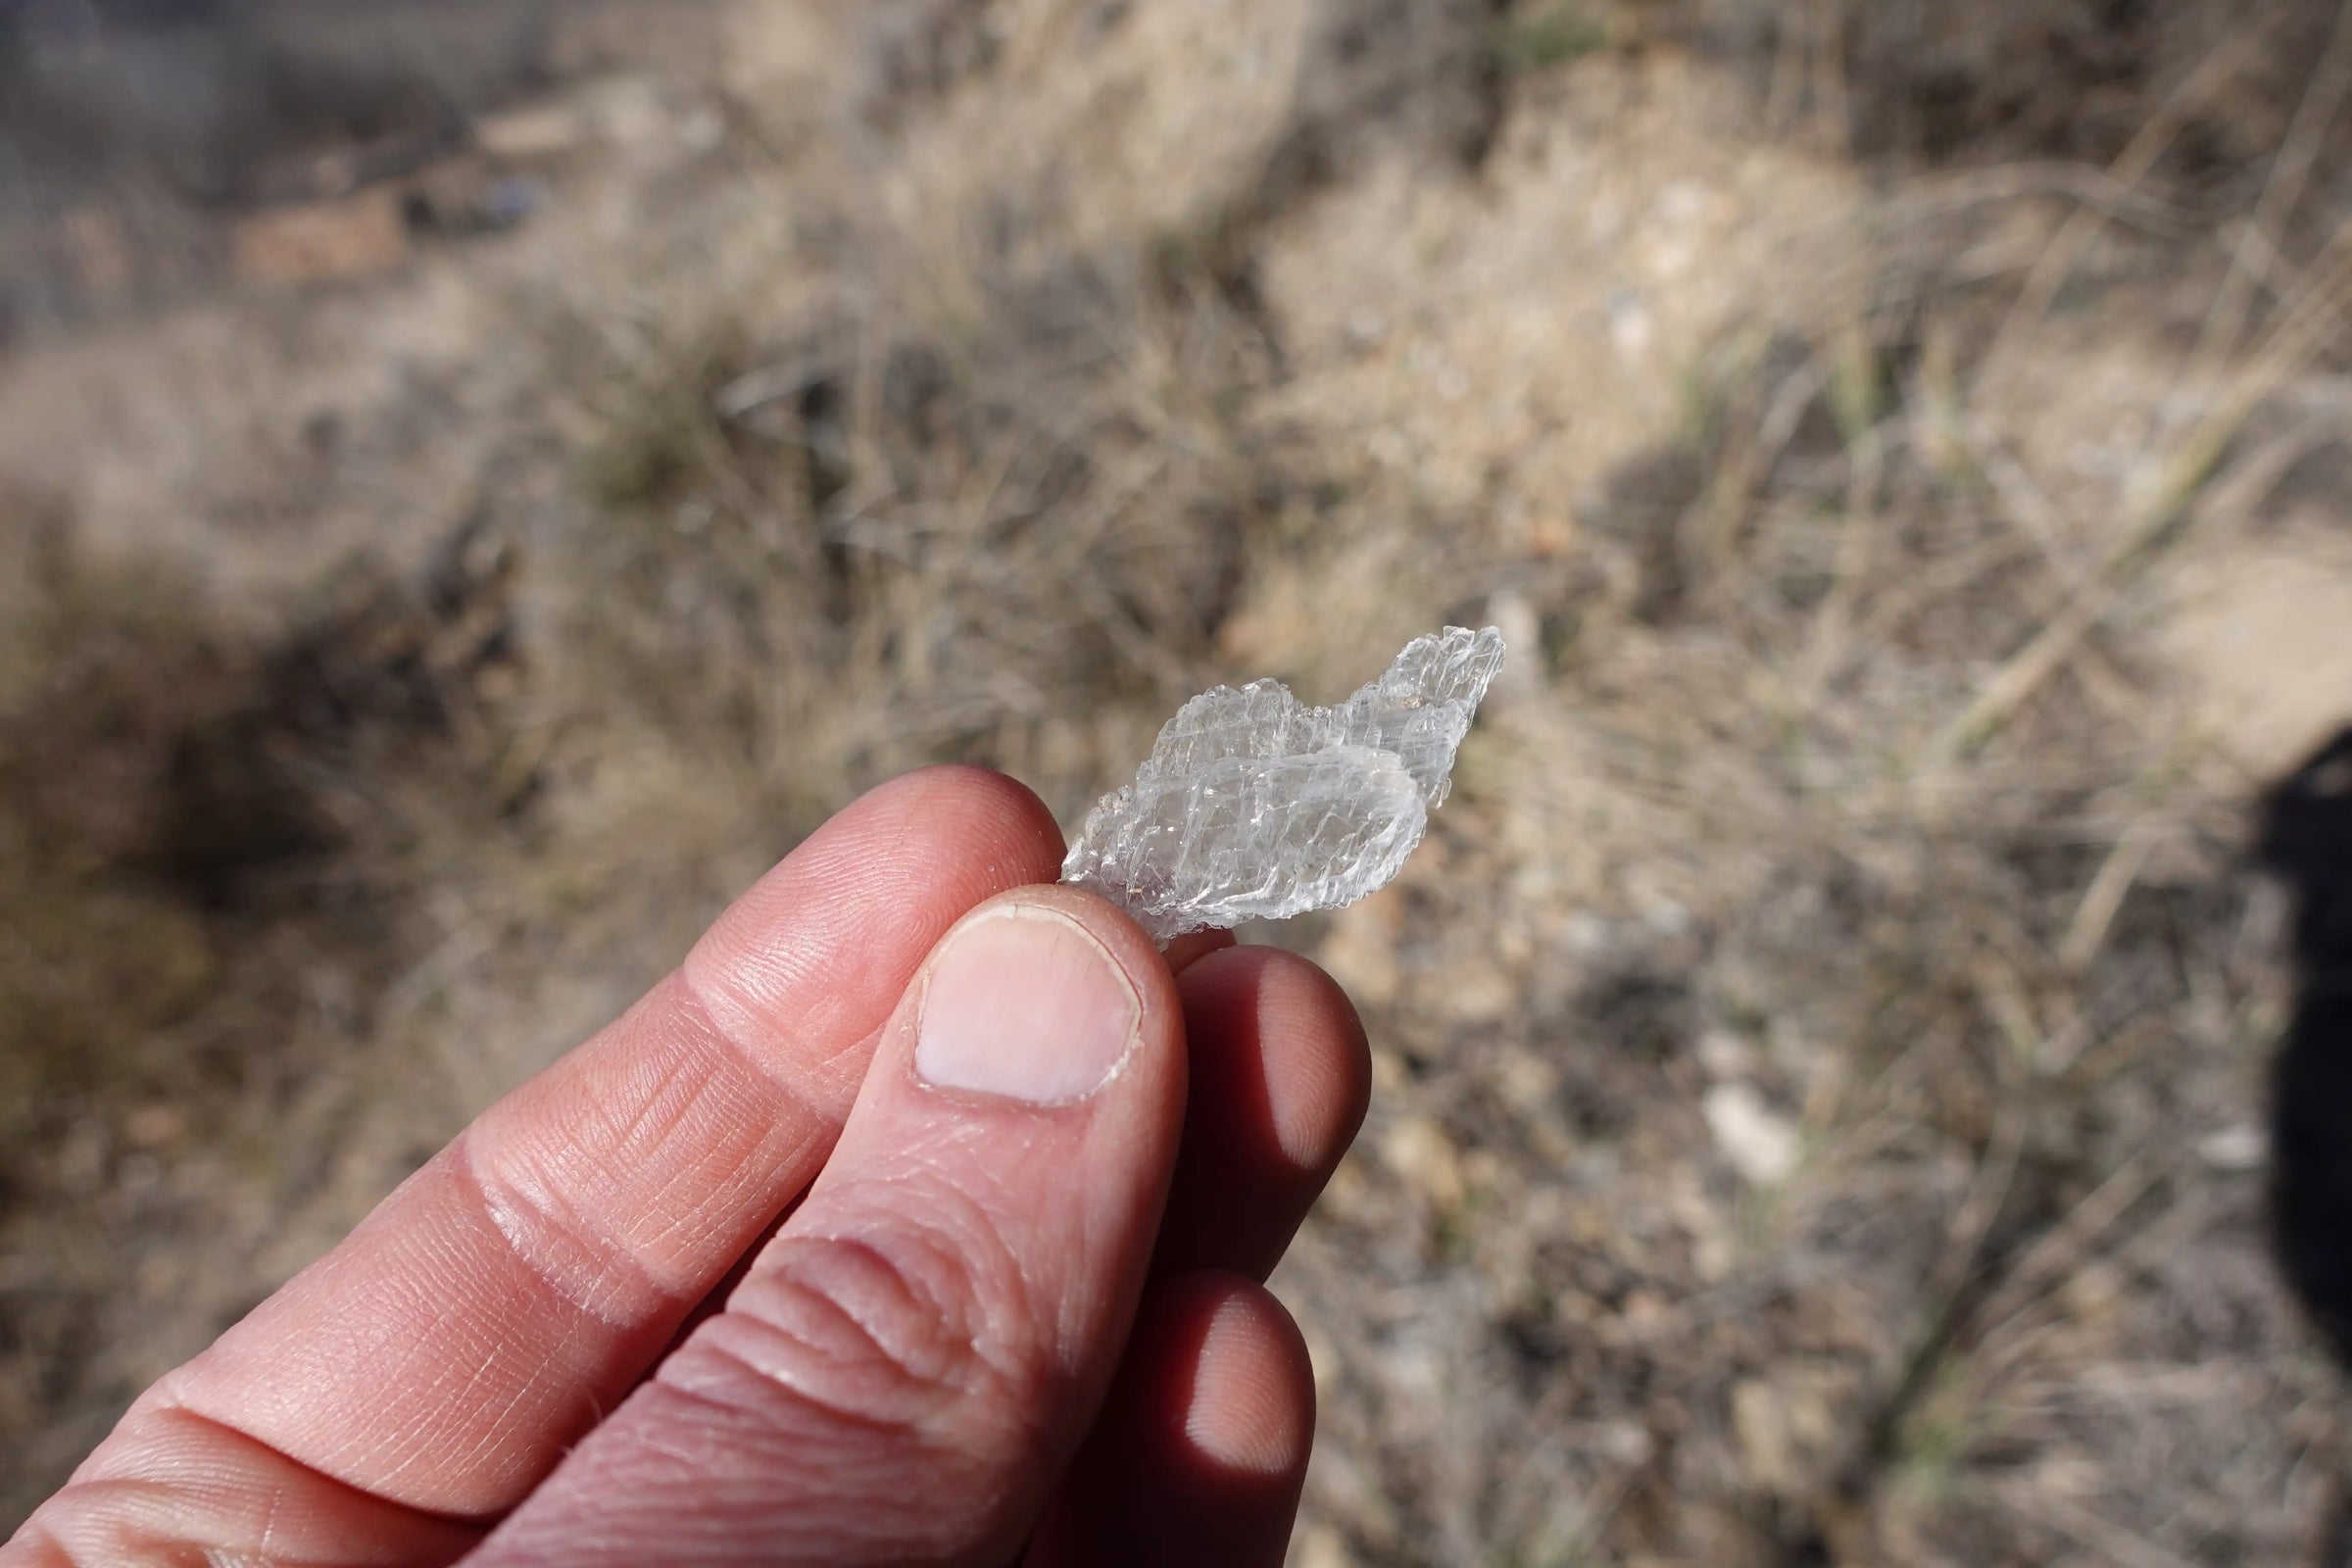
x=1024, y=1003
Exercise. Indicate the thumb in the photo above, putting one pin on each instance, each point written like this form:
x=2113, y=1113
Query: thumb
x=912, y=1362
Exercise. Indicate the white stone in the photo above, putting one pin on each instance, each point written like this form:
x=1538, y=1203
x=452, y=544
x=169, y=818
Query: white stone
x=2242, y=1146
x=1758, y=1142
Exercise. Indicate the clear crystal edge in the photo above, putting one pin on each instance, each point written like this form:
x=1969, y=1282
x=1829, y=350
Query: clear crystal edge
x=1448, y=671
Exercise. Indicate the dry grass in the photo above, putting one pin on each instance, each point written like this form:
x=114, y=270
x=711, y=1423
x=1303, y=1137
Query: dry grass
x=1820, y=1047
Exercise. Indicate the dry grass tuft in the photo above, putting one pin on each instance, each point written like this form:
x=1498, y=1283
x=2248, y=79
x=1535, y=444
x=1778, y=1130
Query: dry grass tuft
x=877, y=539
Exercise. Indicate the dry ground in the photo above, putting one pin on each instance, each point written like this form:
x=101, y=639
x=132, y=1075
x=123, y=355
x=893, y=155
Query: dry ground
x=1820, y=1050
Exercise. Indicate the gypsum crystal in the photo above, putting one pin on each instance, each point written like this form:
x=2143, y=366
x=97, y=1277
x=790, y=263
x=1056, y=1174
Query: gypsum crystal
x=1255, y=806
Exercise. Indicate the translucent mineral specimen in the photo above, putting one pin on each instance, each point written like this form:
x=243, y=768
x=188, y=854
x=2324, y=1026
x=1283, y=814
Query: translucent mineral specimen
x=1255, y=806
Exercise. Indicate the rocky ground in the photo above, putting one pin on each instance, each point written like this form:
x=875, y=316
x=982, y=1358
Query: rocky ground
x=1820, y=1050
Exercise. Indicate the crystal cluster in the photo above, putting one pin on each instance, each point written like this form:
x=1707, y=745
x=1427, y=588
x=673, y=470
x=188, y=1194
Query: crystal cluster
x=1255, y=806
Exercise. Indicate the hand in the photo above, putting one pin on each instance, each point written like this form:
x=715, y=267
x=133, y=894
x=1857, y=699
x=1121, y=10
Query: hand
x=882, y=1231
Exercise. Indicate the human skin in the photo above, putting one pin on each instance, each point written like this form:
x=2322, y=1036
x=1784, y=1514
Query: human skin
x=920, y=1216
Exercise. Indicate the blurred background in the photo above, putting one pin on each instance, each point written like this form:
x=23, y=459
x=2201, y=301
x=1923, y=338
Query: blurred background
x=480, y=478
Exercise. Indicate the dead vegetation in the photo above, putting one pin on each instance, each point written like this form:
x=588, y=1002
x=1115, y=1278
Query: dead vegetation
x=1820, y=1049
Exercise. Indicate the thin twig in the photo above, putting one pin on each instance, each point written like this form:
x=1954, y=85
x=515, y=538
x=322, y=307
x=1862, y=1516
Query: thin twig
x=2090, y=1528
x=2134, y=164
x=2095, y=915
x=2281, y=192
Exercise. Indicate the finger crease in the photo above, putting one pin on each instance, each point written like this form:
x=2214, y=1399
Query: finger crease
x=730, y=1023
x=593, y=1271
x=846, y=1412
x=234, y=1435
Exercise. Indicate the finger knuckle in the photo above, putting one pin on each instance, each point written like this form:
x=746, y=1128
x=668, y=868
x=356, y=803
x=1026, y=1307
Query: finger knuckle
x=891, y=1326
x=594, y=1273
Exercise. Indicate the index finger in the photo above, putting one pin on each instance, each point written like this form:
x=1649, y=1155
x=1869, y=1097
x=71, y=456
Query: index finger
x=519, y=1283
